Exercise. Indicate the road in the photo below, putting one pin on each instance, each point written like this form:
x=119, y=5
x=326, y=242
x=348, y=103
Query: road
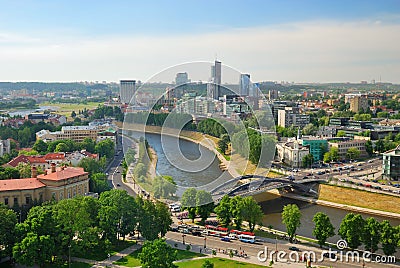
x=114, y=170
x=252, y=250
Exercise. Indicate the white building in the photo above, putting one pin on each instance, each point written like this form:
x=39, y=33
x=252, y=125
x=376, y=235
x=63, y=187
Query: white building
x=128, y=89
x=5, y=147
x=291, y=153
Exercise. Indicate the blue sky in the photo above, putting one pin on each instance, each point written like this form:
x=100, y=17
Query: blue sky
x=42, y=35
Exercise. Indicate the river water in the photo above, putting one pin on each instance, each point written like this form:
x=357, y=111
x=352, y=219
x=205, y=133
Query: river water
x=272, y=209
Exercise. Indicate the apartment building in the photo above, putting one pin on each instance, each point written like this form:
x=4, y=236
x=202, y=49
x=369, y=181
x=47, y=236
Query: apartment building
x=75, y=133
x=344, y=145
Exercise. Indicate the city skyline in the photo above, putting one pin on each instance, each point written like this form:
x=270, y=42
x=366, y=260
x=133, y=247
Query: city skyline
x=311, y=41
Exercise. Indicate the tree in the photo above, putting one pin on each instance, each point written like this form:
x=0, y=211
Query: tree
x=61, y=147
x=371, y=234
x=341, y=133
x=369, y=148
x=251, y=212
x=291, y=219
x=310, y=129
x=98, y=183
x=204, y=205
x=332, y=155
x=323, y=228
x=307, y=161
x=118, y=214
x=224, y=211
x=73, y=114
x=389, y=238
x=157, y=254
x=189, y=202
x=353, y=153
x=40, y=146
x=8, y=220
x=139, y=171
x=236, y=211
x=154, y=219
x=91, y=165
x=351, y=230
x=130, y=156
x=222, y=146
x=24, y=170
x=34, y=249
x=380, y=146
x=207, y=264
x=88, y=144
x=105, y=148
x=164, y=186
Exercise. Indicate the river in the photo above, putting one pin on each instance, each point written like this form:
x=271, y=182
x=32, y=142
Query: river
x=272, y=209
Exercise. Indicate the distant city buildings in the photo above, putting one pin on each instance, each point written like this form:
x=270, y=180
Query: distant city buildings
x=127, y=90
x=5, y=147
x=244, y=85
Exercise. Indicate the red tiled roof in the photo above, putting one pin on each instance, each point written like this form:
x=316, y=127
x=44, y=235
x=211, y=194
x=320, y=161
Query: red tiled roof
x=21, y=158
x=54, y=156
x=36, y=159
x=63, y=174
x=20, y=184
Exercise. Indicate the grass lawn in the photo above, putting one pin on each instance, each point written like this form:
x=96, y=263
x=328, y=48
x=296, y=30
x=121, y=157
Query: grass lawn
x=364, y=199
x=132, y=261
x=218, y=263
x=99, y=256
x=67, y=108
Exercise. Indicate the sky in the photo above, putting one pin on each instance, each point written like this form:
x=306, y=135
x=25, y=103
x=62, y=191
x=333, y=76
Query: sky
x=287, y=40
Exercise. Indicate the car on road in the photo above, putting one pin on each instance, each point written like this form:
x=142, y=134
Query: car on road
x=118, y=171
x=226, y=239
x=294, y=249
x=118, y=185
x=396, y=191
x=329, y=255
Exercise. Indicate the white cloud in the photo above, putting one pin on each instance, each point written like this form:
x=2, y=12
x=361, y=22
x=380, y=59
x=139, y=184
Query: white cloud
x=317, y=51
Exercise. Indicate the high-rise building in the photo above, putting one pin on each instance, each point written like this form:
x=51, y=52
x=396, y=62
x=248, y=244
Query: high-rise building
x=244, y=85
x=181, y=78
x=273, y=94
x=291, y=116
x=213, y=88
x=128, y=89
x=359, y=102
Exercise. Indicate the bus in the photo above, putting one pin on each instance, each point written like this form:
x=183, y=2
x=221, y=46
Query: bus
x=216, y=231
x=233, y=234
x=247, y=238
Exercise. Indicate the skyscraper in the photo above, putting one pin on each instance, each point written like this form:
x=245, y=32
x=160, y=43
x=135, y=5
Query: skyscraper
x=213, y=88
x=128, y=89
x=181, y=78
x=244, y=85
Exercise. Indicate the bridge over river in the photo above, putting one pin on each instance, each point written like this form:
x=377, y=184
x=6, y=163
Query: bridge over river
x=255, y=184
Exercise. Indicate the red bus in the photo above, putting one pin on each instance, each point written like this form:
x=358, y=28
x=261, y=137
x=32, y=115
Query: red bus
x=216, y=231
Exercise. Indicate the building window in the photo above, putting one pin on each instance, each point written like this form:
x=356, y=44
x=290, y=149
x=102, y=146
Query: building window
x=6, y=201
x=15, y=201
x=61, y=195
x=28, y=200
x=53, y=196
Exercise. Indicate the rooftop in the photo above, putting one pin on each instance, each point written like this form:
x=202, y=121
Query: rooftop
x=63, y=173
x=20, y=184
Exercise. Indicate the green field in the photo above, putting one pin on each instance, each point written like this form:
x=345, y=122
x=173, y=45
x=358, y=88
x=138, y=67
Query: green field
x=67, y=108
x=132, y=261
x=218, y=263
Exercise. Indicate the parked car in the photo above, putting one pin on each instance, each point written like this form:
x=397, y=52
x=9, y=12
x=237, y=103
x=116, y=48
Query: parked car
x=294, y=249
x=226, y=239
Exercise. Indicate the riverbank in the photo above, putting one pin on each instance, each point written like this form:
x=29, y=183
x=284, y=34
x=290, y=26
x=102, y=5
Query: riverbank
x=359, y=198
x=349, y=208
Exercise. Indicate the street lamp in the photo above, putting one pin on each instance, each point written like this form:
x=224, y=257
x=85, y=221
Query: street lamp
x=276, y=247
x=183, y=239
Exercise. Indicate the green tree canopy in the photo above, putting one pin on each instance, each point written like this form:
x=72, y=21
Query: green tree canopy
x=323, y=228
x=157, y=254
x=351, y=230
x=291, y=216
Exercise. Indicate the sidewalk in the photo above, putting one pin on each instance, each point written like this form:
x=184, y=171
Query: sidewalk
x=109, y=261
